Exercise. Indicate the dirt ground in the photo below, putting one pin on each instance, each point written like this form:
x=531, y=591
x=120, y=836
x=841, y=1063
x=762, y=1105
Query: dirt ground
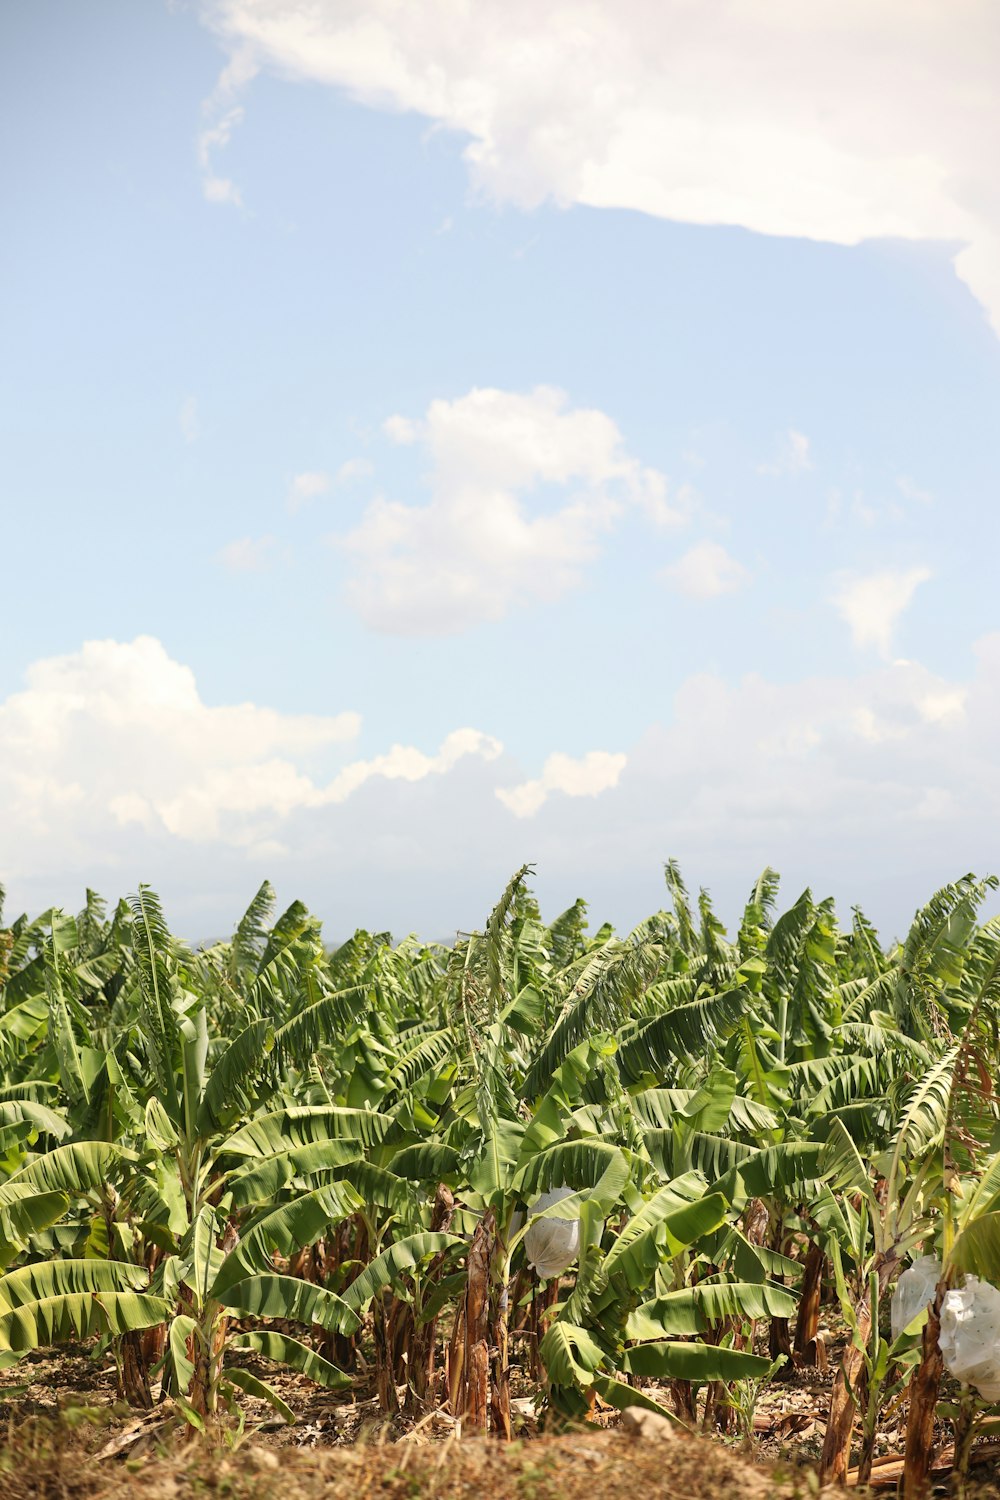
x=64, y=1436
x=47, y=1463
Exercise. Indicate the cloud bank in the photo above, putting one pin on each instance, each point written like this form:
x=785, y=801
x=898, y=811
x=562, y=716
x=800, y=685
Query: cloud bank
x=875, y=787
x=860, y=122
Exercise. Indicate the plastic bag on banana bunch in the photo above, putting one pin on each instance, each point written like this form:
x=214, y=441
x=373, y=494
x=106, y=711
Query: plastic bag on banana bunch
x=970, y=1336
x=970, y=1323
x=552, y=1245
x=914, y=1291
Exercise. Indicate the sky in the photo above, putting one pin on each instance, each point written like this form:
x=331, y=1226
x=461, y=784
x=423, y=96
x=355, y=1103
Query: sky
x=438, y=437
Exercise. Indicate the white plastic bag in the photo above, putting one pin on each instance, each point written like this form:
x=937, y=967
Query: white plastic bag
x=970, y=1336
x=914, y=1290
x=552, y=1245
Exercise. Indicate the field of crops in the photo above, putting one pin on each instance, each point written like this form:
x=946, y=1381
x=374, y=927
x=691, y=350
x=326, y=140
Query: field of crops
x=542, y=1175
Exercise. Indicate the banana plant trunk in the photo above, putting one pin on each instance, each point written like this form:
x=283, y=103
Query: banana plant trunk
x=780, y=1346
x=478, y=1357
x=500, y=1360
x=807, y=1322
x=682, y=1401
x=133, y=1366
x=540, y=1306
x=422, y=1373
x=468, y=1363
x=385, y=1373
x=207, y=1345
x=924, y=1385
x=207, y=1349
x=779, y=1334
x=849, y=1384
x=719, y=1411
x=344, y=1256
x=134, y=1371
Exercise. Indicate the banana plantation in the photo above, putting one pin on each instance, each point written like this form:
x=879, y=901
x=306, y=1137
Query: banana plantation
x=662, y=1169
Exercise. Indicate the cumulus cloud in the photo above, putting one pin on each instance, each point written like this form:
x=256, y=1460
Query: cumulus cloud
x=315, y=482
x=587, y=776
x=406, y=763
x=306, y=487
x=119, y=732
x=276, y=789
x=736, y=114
x=871, y=604
x=250, y=554
x=115, y=740
x=792, y=457
x=872, y=787
x=755, y=763
x=705, y=571
x=522, y=489
x=352, y=469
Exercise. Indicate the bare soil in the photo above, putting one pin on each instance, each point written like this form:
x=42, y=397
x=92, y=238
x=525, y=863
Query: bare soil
x=64, y=1436
x=46, y=1464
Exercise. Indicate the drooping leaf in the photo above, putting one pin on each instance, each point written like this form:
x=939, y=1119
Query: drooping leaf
x=695, y=1309
x=66, y=1277
x=52, y=1320
x=285, y=1229
x=698, y=1362
x=396, y=1260
x=663, y=1227
x=570, y=1354
x=303, y=1125
x=77, y=1168
x=231, y=1084
x=274, y=1296
x=297, y=1356
x=260, y=1391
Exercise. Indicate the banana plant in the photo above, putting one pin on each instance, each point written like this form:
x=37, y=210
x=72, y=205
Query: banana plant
x=183, y=1132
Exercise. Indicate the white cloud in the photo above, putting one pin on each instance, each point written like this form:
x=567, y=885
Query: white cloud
x=911, y=491
x=871, y=604
x=305, y=487
x=114, y=740
x=250, y=554
x=120, y=730
x=401, y=430
x=187, y=419
x=814, y=766
x=597, y=771
x=406, y=763
x=792, y=457
x=706, y=571
x=315, y=482
x=874, y=787
x=943, y=705
x=214, y=137
x=740, y=114
x=222, y=114
x=874, y=510
x=275, y=789
x=352, y=469
x=492, y=536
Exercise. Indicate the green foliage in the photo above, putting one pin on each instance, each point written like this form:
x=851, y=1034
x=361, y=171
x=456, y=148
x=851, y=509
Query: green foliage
x=708, y=1107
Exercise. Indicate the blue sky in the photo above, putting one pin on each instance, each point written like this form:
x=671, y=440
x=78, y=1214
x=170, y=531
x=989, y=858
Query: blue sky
x=411, y=466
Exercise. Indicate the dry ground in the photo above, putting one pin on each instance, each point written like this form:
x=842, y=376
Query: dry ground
x=64, y=1437
x=47, y=1465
